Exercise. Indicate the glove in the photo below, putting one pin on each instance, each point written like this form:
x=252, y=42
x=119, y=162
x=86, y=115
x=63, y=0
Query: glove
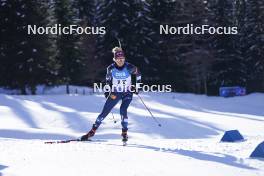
x=106, y=94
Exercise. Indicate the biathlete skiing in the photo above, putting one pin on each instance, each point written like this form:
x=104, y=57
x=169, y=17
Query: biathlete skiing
x=122, y=78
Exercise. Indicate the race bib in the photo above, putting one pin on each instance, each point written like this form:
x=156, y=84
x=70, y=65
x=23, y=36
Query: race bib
x=121, y=80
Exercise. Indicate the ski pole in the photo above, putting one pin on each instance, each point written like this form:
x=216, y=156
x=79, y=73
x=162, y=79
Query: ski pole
x=113, y=117
x=111, y=112
x=149, y=111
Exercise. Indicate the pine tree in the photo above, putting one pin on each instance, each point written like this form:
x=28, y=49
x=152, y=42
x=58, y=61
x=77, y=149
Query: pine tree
x=68, y=45
x=145, y=42
x=129, y=21
x=192, y=50
x=28, y=59
x=116, y=17
x=162, y=13
x=86, y=11
x=180, y=54
x=228, y=67
x=252, y=44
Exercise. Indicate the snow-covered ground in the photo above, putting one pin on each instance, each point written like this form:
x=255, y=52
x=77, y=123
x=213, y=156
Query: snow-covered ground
x=186, y=144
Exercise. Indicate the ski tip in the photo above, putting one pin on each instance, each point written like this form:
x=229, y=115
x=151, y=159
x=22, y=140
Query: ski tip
x=62, y=141
x=49, y=142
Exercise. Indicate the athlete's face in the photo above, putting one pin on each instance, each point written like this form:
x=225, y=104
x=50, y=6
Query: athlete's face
x=120, y=61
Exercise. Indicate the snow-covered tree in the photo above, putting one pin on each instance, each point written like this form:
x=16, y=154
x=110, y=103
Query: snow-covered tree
x=27, y=59
x=68, y=45
x=86, y=10
x=228, y=67
x=252, y=44
x=131, y=22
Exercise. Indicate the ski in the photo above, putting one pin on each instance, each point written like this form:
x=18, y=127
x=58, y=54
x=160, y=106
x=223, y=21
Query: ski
x=65, y=141
x=124, y=141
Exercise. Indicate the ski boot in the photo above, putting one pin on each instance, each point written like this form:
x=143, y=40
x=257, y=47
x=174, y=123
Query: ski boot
x=90, y=134
x=124, y=135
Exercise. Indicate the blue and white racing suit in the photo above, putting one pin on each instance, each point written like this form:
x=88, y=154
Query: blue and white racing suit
x=120, y=79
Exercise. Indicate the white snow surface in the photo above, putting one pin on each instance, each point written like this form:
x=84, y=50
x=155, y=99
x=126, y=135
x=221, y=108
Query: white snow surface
x=186, y=144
